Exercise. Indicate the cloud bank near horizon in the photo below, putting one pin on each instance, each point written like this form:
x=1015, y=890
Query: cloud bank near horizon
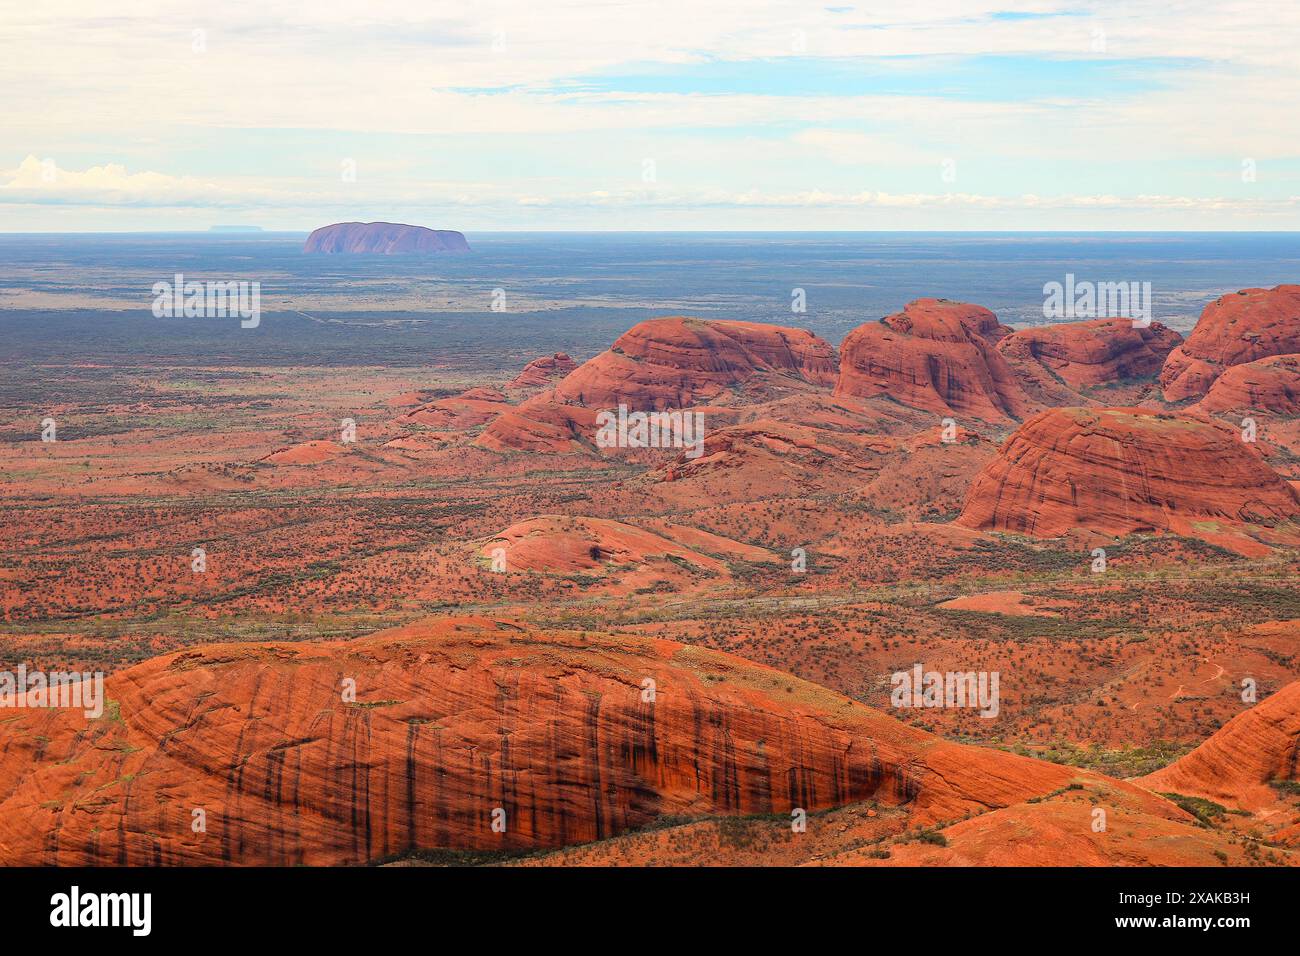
x=764, y=114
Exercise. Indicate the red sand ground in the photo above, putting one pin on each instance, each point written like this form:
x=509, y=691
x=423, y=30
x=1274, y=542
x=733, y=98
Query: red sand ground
x=815, y=536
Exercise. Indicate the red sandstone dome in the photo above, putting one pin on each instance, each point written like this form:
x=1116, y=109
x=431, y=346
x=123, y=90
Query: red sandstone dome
x=1269, y=385
x=1233, y=330
x=568, y=544
x=542, y=371
x=1237, y=764
x=659, y=364
x=453, y=721
x=466, y=410
x=768, y=457
x=676, y=362
x=541, y=426
x=1087, y=354
x=1121, y=470
x=935, y=355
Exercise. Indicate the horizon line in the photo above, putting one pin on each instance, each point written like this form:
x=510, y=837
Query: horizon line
x=250, y=231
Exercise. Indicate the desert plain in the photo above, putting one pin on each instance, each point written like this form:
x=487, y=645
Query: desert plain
x=361, y=613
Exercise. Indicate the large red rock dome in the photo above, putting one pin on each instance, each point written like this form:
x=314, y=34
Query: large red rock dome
x=935, y=355
x=1233, y=330
x=676, y=362
x=1087, y=354
x=1121, y=470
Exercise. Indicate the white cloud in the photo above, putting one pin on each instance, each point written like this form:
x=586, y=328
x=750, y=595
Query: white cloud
x=35, y=179
x=134, y=85
x=37, y=183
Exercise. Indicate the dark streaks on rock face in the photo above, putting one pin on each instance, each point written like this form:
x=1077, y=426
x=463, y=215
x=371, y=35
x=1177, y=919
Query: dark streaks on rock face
x=455, y=718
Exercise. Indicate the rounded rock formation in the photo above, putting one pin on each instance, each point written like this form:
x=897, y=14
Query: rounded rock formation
x=1123, y=470
x=541, y=426
x=677, y=362
x=383, y=238
x=1268, y=385
x=565, y=544
x=1239, y=761
x=1233, y=330
x=542, y=371
x=935, y=355
x=1087, y=354
x=426, y=736
x=466, y=410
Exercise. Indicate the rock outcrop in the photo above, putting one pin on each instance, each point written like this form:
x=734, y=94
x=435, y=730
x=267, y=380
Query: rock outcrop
x=383, y=238
x=662, y=364
x=305, y=453
x=1122, y=470
x=542, y=371
x=767, y=457
x=1237, y=763
x=564, y=544
x=935, y=355
x=1267, y=385
x=1233, y=330
x=677, y=362
x=455, y=724
x=541, y=426
x=459, y=412
x=1084, y=355
x=926, y=477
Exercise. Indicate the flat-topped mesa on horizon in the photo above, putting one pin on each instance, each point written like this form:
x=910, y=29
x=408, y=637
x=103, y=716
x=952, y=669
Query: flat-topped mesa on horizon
x=1117, y=471
x=383, y=239
x=1233, y=329
x=938, y=356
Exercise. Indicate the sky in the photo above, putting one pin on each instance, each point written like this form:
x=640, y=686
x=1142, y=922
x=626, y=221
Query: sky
x=663, y=115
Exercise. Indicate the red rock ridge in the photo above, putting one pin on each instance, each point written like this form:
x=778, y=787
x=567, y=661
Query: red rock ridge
x=665, y=363
x=569, y=544
x=763, y=457
x=459, y=412
x=677, y=362
x=1233, y=330
x=1087, y=354
x=1234, y=766
x=453, y=719
x=542, y=371
x=541, y=426
x=383, y=238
